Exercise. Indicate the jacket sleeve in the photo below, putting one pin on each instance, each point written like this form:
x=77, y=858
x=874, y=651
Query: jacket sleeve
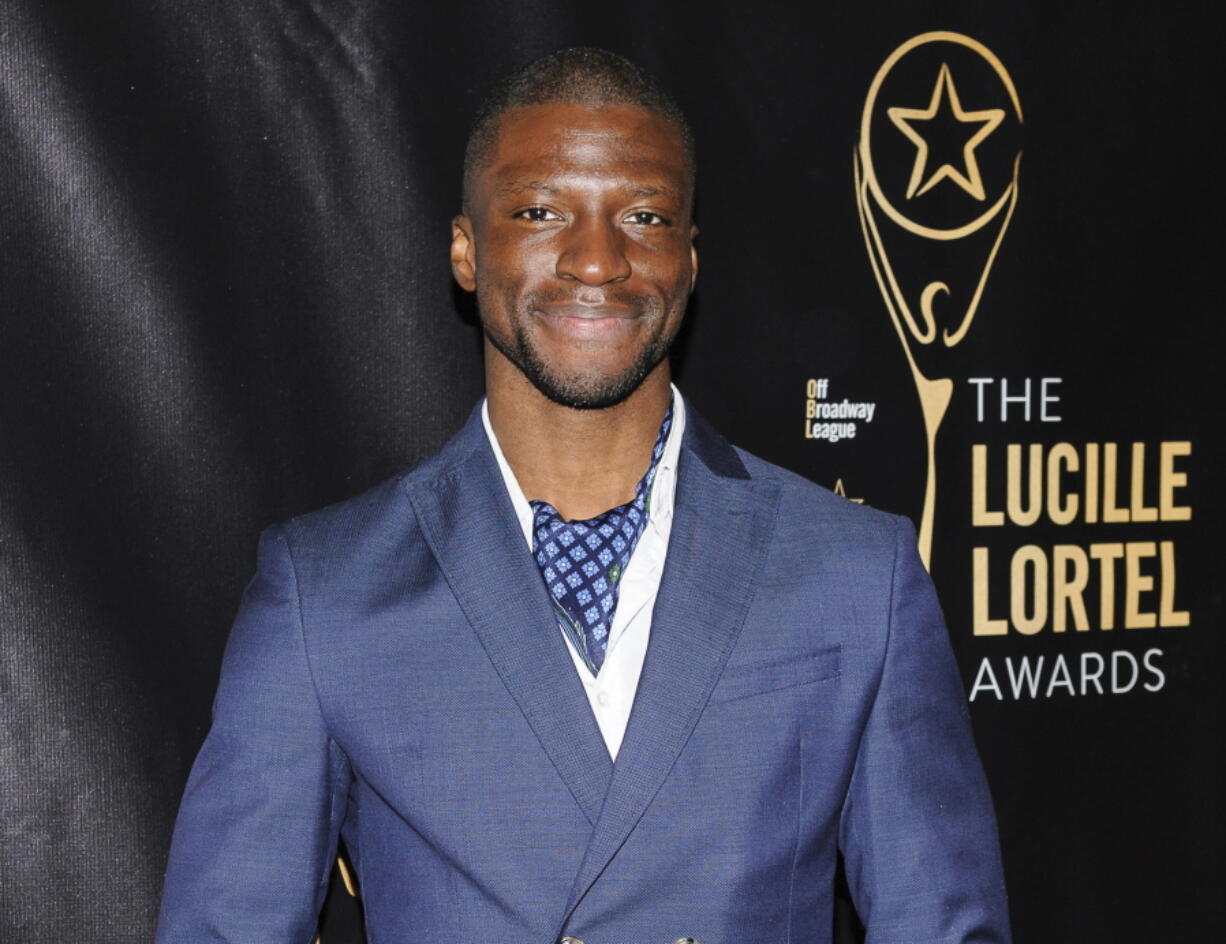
x=257, y=827
x=918, y=832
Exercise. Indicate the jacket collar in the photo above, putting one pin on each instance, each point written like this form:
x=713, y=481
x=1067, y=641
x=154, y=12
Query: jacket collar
x=723, y=521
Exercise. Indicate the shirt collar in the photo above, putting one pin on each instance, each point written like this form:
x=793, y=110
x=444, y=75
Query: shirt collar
x=663, y=488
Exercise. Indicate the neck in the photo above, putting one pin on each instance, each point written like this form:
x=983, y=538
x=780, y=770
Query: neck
x=583, y=462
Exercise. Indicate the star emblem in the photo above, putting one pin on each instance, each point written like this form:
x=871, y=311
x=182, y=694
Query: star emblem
x=945, y=99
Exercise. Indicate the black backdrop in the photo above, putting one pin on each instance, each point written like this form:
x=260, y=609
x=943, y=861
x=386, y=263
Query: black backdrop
x=225, y=300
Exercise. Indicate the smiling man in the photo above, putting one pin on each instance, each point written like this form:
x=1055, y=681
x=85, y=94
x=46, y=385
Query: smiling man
x=590, y=673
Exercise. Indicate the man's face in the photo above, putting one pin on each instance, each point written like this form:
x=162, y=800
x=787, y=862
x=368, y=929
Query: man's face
x=579, y=245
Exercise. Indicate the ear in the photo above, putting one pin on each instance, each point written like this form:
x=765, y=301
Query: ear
x=464, y=253
x=693, y=257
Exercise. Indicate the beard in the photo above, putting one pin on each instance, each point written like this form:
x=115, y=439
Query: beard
x=584, y=390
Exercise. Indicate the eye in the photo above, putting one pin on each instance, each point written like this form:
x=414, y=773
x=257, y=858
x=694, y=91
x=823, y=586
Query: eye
x=538, y=215
x=646, y=218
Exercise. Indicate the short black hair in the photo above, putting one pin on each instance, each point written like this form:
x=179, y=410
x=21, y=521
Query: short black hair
x=582, y=75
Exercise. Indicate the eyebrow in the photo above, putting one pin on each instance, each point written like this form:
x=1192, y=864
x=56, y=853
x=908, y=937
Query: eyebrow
x=653, y=190
x=514, y=187
x=519, y=186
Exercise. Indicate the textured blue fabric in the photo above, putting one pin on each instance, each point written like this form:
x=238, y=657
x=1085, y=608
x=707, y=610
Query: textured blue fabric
x=393, y=676
x=582, y=562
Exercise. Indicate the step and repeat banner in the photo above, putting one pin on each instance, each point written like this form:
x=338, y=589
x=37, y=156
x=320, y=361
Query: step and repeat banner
x=960, y=261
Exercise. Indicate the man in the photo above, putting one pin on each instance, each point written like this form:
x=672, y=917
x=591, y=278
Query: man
x=590, y=673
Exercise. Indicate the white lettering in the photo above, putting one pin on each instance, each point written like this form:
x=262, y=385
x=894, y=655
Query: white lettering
x=985, y=670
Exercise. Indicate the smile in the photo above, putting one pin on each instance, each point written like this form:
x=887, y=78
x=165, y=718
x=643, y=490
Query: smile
x=589, y=322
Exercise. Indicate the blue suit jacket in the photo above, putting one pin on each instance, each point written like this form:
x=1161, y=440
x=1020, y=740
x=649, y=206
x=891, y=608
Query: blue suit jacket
x=395, y=674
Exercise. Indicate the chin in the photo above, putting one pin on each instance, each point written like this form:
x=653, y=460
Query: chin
x=588, y=384
x=589, y=389
x=588, y=392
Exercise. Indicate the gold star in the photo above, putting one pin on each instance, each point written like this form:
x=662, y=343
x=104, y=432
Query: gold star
x=989, y=118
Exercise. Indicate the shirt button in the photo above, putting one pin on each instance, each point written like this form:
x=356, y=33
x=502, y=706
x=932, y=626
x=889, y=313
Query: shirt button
x=603, y=699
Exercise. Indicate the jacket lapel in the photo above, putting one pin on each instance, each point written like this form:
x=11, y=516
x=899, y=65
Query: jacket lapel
x=722, y=525
x=467, y=518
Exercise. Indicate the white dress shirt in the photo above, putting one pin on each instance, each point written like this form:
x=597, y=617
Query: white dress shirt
x=611, y=693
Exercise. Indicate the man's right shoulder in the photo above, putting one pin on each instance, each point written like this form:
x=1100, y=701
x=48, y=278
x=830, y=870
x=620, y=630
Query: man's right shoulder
x=382, y=511
x=346, y=521
x=374, y=520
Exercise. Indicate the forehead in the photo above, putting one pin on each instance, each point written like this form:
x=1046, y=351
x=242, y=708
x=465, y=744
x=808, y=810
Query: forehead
x=540, y=142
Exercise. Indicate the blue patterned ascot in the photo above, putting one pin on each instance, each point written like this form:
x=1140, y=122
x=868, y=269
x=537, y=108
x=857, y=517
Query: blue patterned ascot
x=583, y=561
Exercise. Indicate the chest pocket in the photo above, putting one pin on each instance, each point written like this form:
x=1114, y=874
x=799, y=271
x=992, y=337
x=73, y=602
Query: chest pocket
x=776, y=674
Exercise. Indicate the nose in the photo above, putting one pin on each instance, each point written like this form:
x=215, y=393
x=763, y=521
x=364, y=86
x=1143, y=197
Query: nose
x=593, y=253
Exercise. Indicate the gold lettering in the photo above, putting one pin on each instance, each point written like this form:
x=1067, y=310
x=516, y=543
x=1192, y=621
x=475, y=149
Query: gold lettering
x=1167, y=614
x=1111, y=512
x=1013, y=489
x=980, y=516
x=1069, y=591
x=1060, y=511
x=1169, y=480
x=1140, y=511
x=1091, y=483
x=983, y=624
x=1023, y=622
x=1136, y=583
x=1106, y=555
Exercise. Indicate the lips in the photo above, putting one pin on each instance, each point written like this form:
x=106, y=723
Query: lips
x=588, y=312
x=589, y=322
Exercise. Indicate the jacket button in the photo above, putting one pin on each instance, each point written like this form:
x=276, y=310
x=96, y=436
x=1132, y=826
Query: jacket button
x=686, y=940
x=570, y=940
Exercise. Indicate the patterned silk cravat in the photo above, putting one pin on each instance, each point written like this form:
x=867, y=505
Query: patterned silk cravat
x=583, y=561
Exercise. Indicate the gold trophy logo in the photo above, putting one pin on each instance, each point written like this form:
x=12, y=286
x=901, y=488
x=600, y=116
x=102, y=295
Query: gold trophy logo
x=936, y=167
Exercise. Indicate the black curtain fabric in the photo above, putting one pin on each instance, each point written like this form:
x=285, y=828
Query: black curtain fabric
x=225, y=300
